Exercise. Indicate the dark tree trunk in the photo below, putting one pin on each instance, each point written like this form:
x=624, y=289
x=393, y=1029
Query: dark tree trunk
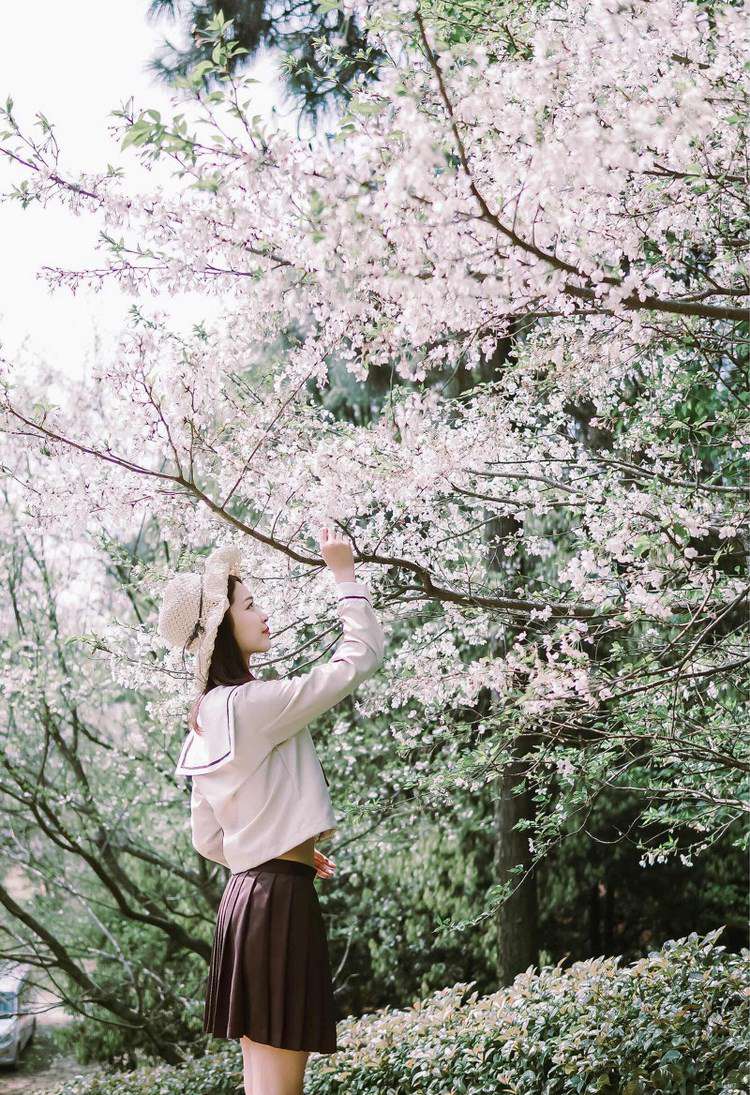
x=609, y=918
x=595, y=927
x=517, y=919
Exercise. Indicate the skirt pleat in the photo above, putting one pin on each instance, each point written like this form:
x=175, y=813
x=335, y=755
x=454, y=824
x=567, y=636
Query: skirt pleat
x=269, y=974
x=280, y=988
x=219, y=986
x=298, y=956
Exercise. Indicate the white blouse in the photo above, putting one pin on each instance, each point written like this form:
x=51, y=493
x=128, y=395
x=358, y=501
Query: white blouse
x=258, y=788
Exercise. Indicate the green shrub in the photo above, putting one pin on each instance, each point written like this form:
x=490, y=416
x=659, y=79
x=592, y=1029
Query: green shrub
x=673, y=1022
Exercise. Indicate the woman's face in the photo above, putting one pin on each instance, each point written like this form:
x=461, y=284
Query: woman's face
x=249, y=621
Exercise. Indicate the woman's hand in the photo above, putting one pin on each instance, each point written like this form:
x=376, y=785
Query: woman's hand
x=325, y=866
x=337, y=554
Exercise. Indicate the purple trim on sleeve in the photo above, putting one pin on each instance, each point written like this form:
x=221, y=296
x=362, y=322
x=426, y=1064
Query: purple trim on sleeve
x=354, y=597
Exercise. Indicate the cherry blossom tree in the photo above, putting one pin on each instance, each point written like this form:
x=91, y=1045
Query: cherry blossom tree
x=84, y=803
x=543, y=249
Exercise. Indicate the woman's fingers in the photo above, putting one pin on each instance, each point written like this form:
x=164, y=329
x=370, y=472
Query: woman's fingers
x=331, y=536
x=325, y=866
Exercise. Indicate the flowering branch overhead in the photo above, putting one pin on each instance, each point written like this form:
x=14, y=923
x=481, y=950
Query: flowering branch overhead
x=494, y=325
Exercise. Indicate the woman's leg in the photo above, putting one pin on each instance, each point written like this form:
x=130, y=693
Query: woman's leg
x=247, y=1071
x=273, y=1071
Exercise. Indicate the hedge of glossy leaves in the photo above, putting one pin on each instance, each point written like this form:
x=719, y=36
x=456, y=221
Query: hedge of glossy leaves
x=673, y=1022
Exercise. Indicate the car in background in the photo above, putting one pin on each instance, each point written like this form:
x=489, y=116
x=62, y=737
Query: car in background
x=17, y=1023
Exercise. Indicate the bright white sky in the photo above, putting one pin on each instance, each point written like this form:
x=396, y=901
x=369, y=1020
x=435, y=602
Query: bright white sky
x=75, y=69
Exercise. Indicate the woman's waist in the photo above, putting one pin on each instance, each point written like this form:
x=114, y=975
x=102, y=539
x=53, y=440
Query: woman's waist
x=301, y=853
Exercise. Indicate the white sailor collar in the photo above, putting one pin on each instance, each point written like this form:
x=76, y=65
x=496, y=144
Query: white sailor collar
x=214, y=746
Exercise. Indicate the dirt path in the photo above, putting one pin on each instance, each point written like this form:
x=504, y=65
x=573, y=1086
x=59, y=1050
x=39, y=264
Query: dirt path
x=41, y=1069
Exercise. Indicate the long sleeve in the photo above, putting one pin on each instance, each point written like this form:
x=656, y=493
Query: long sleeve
x=207, y=834
x=276, y=710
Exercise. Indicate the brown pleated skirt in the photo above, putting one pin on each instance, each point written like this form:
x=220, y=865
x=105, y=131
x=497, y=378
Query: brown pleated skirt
x=269, y=975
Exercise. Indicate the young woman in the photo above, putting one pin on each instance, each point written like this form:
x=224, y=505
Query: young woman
x=259, y=802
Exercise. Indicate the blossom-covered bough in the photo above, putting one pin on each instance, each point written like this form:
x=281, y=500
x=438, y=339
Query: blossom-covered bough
x=544, y=251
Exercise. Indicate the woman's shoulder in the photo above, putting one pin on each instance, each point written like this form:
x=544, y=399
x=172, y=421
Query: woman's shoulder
x=255, y=691
x=214, y=703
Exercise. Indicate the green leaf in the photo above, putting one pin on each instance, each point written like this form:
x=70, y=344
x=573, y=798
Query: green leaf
x=362, y=107
x=197, y=72
x=137, y=133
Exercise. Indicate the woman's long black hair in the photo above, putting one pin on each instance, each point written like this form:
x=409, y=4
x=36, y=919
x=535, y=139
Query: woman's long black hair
x=228, y=665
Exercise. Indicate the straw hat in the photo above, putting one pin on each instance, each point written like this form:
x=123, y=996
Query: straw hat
x=193, y=607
